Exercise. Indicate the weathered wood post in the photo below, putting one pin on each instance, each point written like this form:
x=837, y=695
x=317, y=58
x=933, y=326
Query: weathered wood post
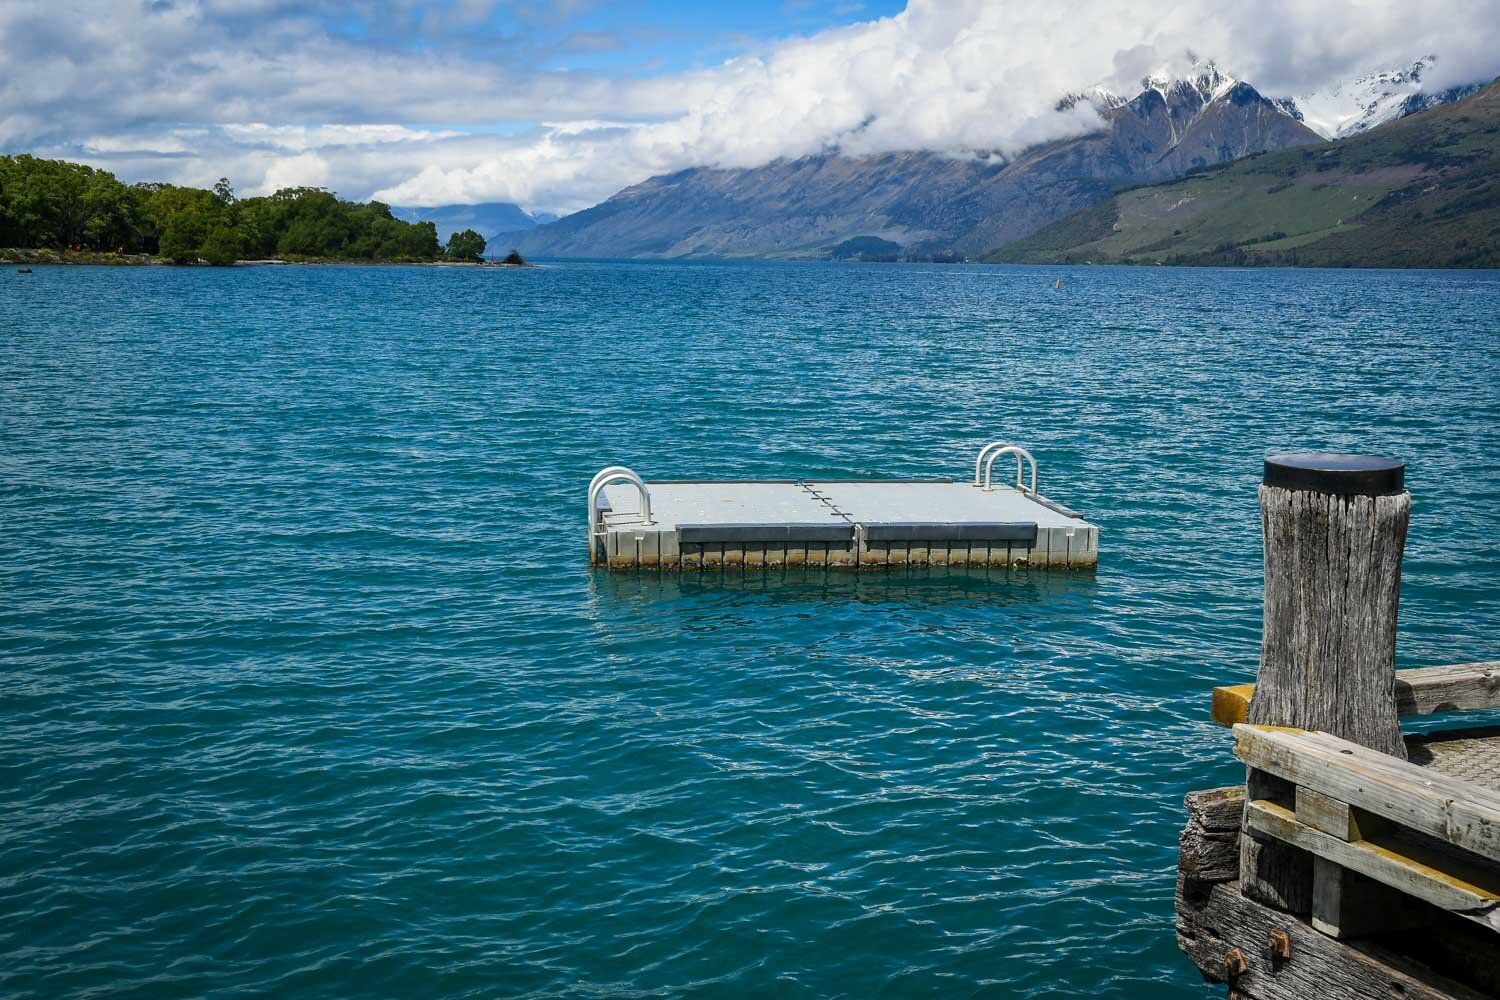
x=1335, y=529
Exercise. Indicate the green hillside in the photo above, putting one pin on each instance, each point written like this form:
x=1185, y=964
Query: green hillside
x=1421, y=192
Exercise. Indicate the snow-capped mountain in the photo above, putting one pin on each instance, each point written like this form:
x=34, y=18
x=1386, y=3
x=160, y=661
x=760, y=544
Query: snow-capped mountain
x=1202, y=85
x=1354, y=106
x=929, y=201
x=1337, y=111
x=1100, y=98
x=1205, y=80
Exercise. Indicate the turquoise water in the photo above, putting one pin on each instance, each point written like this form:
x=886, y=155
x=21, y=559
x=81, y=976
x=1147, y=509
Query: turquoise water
x=307, y=687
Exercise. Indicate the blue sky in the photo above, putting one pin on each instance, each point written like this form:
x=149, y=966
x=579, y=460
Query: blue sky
x=639, y=38
x=660, y=36
x=559, y=104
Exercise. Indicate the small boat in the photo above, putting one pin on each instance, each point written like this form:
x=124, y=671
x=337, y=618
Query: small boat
x=23, y=270
x=1058, y=285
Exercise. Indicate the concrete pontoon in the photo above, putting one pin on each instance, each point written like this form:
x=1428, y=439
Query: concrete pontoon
x=850, y=524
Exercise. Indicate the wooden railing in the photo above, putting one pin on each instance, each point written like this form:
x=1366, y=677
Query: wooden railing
x=1422, y=833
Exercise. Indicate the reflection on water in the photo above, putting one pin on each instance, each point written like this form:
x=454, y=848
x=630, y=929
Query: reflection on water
x=981, y=586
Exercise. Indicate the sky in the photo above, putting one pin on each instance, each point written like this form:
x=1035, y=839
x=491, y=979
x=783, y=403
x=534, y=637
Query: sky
x=558, y=104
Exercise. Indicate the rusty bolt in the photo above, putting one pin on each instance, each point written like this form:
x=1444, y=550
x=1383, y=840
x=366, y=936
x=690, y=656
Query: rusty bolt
x=1234, y=963
x=1280, y=945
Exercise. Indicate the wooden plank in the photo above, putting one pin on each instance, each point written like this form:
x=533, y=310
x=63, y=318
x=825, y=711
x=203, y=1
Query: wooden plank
x=1231, y=703
x=1209, y=845
x=1325, y=814
x=1208, y=855
x=1345, y=903
x=1452, y=810
x=1270, y=872
x=1462, y=687
x=1212, y=920
x=1217, y=809
x=1428, y=878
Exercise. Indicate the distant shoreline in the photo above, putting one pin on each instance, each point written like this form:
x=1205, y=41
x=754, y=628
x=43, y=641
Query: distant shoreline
x=70, y=258
x=28, y=258
x=376, y=263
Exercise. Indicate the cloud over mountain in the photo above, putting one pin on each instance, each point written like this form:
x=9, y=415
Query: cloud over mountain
x=273, y=92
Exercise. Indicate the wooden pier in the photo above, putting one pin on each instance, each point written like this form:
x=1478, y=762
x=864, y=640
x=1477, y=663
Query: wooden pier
x=1355, y=861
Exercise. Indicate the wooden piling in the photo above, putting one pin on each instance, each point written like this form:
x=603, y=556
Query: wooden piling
x=1355, y=864
x=1334, y=531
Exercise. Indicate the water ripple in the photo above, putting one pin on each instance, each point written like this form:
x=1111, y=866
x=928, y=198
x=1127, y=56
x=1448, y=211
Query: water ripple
x=307, y=690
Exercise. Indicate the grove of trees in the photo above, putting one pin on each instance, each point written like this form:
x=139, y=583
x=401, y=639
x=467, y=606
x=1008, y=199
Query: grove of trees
x=56, y=204
x=467, y=245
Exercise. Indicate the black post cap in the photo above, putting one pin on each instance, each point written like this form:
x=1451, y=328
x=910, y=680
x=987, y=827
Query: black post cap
x=1341, y=475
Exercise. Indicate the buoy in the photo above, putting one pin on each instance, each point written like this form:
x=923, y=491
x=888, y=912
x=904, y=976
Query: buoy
x=1058, y=286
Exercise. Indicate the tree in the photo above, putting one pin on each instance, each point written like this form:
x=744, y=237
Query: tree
x=420, y=240
x=112, y=213
x=182, y=218
x=221, y=247
x=514, y=257
x=467, y=245
x=53, y=203
x=185, y=233
x=65, y=184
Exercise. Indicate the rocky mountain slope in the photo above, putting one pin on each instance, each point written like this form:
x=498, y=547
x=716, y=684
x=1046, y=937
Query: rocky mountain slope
x=935, y=204
x=927, y=202
x=1169, y=129
x=1423, y=191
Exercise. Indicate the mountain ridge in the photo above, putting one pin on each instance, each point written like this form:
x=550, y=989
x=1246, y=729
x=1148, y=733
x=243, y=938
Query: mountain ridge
x=927, y=202
x=1369, y=101
x=934, y=203
x=1422, y=191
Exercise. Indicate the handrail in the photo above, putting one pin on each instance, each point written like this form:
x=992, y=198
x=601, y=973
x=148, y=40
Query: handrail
x=1020, y=453
x=613, y=474
x=599, y=478
x=604, y=473
x=1452, y=809
x=983, y=452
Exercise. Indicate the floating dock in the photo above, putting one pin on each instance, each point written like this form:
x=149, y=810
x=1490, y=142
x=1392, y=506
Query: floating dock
x=839, y=523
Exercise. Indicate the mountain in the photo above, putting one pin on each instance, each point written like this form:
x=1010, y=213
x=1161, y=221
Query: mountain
x=1367, y=102
x=485, y=219
x=787, y=208
x=1422, y=191
x=1170, y=128
x=927, y=202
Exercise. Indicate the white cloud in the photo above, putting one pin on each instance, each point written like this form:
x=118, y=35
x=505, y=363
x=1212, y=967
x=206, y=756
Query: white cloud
x=302, y=170
x=160, y=86
x=303, y=137
x=970, y=75
x=163, y=144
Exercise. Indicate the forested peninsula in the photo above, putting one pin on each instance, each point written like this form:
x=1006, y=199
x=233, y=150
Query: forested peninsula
x=80, y=212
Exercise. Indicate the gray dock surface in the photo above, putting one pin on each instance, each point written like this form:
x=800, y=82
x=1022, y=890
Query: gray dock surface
x=851, y=524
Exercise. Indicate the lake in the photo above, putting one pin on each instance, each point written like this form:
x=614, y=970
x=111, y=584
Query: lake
x=308, y=686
